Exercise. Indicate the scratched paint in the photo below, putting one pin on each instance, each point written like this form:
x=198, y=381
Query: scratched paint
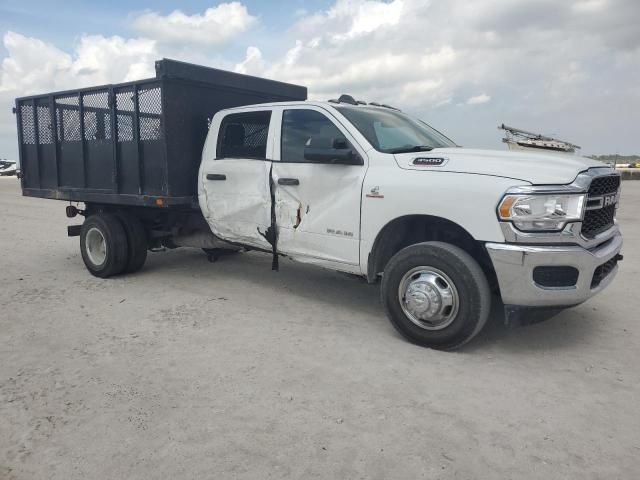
x=327, y=197
x=238, y=208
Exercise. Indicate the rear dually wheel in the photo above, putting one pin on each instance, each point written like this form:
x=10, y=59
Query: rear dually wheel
x=103, y=245
x=137, y=243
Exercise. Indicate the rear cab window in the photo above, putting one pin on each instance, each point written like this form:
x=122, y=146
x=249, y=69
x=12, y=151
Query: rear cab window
x=244, y=135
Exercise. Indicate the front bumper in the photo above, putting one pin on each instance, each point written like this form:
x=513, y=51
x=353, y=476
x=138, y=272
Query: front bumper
x=514, y=265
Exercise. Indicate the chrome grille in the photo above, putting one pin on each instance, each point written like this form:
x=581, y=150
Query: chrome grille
x=600, y=219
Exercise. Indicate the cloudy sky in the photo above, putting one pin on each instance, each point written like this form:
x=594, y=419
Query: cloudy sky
x=564, y=67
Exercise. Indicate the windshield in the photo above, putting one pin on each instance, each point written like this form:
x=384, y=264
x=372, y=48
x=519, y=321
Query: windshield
x=391, y=131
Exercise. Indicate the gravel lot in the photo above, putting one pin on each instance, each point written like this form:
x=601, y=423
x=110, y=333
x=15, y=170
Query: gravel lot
x=228, y=370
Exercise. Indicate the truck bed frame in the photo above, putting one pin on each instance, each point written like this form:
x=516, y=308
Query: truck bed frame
x=137, y=143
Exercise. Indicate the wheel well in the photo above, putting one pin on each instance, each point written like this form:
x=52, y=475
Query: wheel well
x=409, y=230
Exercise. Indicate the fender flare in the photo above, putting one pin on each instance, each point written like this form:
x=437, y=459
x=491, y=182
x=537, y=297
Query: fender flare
x=379, y=246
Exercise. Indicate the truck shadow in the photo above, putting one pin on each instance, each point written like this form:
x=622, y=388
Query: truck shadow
x=358, y=299
x=253, y=270
x=559, y=331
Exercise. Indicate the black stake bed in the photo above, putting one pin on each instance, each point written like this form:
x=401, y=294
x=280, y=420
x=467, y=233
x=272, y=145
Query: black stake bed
x=136, y=143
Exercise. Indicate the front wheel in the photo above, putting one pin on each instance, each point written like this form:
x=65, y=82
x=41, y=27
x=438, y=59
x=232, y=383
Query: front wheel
x=436, y=295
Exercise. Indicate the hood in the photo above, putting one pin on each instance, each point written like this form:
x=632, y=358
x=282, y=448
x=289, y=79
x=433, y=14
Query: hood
x=536, y=168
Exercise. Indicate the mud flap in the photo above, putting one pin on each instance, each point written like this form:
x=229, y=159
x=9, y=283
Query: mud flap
x=74, y=230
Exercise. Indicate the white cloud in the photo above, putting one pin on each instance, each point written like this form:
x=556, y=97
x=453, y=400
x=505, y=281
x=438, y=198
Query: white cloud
x=590, y=5
x=33, y=66
x=252, y=61
x=365, y=16
x=368, y=48
x=115, y=58
x=216, y=26
x=542, y=61
x=568, y=67
x=478, y=99
x=30, y=63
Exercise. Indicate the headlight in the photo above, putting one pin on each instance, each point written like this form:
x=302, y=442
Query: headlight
x=541, y=212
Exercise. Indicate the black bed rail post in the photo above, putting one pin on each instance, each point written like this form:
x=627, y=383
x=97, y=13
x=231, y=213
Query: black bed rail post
x=162, y=85
x=54, y=136
x=36, y=139
x=136, y=137
x=114, y=139
x=18, y=111
x=82, y=146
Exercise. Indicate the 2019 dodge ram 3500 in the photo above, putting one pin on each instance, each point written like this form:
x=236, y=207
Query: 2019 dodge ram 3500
x=359, y=188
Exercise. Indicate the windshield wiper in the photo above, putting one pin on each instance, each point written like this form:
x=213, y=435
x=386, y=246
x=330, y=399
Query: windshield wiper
x=411, y=148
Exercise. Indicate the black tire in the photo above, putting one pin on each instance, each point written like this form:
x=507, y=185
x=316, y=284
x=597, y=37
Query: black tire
x=137, y=242
x=469, y=282
x=115, y=242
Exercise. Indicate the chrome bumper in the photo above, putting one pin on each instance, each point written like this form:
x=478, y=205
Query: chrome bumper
x=514, y=266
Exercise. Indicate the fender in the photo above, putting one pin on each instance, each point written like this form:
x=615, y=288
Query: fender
x=436, y=195
x=410, y=229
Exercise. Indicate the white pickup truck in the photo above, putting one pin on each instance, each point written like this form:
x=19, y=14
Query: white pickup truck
x=369, y=190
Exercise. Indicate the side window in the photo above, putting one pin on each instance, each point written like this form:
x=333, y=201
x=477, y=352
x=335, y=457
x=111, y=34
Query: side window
x=244, y=135
x=306, y=128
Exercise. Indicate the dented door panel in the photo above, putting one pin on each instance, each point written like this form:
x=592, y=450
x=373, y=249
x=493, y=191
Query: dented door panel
x=238, y=209
x=320, y=217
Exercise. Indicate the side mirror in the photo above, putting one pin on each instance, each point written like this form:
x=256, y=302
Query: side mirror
x=339, y=144
x=336, y=156
x=339, y=153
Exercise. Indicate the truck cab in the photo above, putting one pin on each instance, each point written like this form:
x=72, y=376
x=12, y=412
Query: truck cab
x=361, y=188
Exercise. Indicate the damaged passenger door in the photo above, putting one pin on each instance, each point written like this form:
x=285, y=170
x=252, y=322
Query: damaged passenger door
x=317, y=176
x=235, y=179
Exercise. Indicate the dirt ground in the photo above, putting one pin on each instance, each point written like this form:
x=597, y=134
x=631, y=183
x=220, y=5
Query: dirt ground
x=196, y=370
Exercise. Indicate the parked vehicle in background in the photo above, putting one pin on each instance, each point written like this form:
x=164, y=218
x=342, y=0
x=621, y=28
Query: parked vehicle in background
x=203, y=158
x=8, y=168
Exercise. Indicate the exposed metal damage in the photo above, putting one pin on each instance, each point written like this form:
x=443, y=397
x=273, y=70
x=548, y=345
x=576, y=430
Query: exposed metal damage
x=271, y=233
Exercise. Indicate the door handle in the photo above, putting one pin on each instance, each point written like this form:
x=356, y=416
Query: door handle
x=288, y=181
x=216, y=176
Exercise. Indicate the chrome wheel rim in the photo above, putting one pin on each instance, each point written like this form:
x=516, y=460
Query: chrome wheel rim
x=95, y=246
x=428, y=298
